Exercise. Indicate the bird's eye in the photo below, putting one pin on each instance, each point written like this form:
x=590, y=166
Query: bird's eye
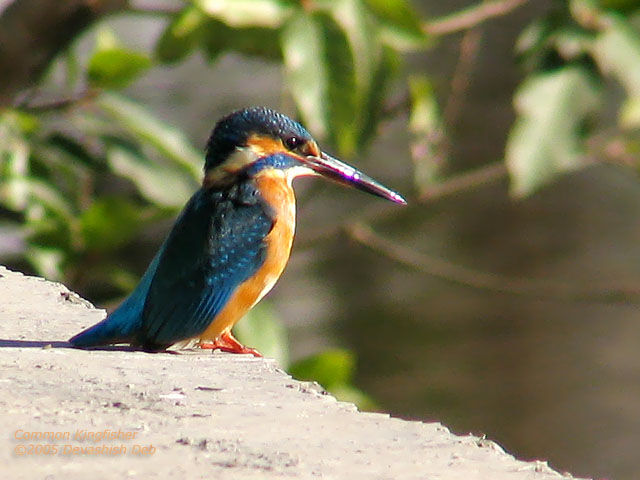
x=292, y=143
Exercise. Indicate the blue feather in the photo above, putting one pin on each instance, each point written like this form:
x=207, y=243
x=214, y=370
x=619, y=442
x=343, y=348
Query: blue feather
x=123, y=323
x=208, y=256
x=216, y=244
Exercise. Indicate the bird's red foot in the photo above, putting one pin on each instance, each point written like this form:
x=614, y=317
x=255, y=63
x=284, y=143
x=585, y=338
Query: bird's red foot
x=228, y=343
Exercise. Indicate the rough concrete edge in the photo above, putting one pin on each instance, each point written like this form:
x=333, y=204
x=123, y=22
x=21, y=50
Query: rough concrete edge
x=538, y=466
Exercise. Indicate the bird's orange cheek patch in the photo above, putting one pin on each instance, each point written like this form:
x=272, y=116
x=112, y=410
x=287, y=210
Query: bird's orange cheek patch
x=265, y=146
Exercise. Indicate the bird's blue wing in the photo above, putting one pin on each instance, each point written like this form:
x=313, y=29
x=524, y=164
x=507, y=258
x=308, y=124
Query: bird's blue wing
x=216, y=245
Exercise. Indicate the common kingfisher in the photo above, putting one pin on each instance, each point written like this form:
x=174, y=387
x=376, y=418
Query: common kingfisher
x=232, y=240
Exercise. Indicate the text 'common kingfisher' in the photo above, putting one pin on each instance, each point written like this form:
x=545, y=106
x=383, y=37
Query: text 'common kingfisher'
x=232, y=240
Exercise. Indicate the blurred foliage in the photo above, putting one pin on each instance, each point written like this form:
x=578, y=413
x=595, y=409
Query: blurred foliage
x=333, y=369
x=545, y=139
x=570, y=56
x=82, y=177
x=113, y=66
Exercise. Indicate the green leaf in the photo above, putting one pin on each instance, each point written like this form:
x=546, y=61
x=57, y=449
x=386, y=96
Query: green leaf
x=106, y=39
x=45, y=195
x=112, y=66
x=397, y=12
x=623, y=6
x=50, y=232
x=425, y=123
x=215, y=41
x=182, y=35
x=121, y=278
x=27, y=123
x=630, y=113
x=167, y=140
x=14, y=168
x=331, y=84
x=72, y=150
x=533, y=37
x=617, y=52
x=330, y=368
x=108, y=223
x=46, y=261
x=344, y=93
x=374, y=101
x=247, y=13
x=571, y=43
x=303, y=47
x=158, y=182
x=546, y=138
x=337, y=71
x=250, y=41
x=371, y=67
x=72, y=68
x=116, y=68
x=359, y=28
x=425, y=113
x=261, y=329
x=334, y=370
x=399, y=23
x=349, y=393
x=20, y=188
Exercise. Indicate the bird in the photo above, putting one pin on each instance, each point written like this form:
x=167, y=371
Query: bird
x=232, y=240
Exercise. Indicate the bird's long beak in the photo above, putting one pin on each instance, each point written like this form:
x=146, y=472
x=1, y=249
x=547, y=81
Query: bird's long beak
x=340, y=172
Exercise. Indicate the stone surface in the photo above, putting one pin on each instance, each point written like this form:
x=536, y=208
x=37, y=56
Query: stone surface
x=196, y=414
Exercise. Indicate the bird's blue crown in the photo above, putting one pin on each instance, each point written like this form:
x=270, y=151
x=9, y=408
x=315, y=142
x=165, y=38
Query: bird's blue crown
x=235, y=129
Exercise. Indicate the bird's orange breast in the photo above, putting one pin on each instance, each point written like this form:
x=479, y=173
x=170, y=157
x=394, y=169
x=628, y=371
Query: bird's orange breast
x=275, y=188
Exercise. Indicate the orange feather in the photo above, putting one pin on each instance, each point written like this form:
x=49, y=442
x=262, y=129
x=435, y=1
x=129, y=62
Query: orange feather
x=275, y=188
x=264, y=146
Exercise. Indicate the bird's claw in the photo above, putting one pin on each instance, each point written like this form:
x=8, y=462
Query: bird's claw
x=228, y=343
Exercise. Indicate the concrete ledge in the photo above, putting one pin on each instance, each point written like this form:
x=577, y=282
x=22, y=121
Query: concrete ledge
x=196, y=415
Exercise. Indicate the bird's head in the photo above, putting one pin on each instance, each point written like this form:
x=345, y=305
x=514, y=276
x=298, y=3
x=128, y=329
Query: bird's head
x=259, y=140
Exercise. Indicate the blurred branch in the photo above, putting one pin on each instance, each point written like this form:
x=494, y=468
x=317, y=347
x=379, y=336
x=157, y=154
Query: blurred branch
x=460, y=80
x=57, y=104
x=33, y=32
x=399, y=105
x=153, y=8
x=471, y=17
x=466, y=181
x=379, y=211
x=434, y=148
x=489, y=281
x=469, y=45
x=613, y=146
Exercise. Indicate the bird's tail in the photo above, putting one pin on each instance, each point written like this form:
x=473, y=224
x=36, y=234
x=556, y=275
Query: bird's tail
x=116, y=328
x=124, y=324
